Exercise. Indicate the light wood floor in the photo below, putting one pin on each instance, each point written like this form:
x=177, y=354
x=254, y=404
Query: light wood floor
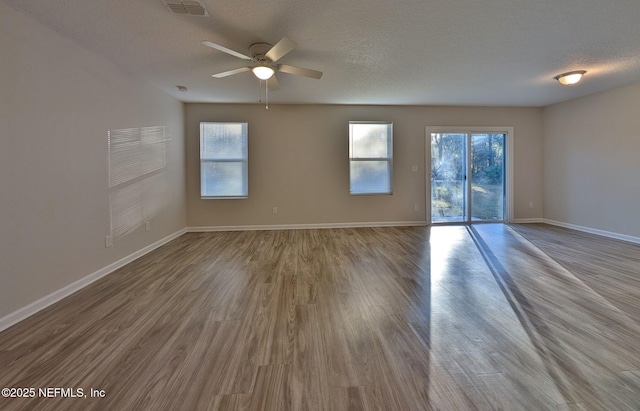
x=527, y=317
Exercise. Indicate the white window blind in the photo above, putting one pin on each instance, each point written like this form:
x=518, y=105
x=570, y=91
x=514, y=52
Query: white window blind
x=370, y=157
x=223, y=160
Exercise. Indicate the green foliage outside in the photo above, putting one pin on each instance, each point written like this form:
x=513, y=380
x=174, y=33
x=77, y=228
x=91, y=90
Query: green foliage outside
x=487, y=200
x=448, y=176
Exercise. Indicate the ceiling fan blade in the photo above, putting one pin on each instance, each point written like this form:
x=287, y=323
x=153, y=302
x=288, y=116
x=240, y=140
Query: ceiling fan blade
x=273, y=84
x=231, y=72
x=225, y=50
x=300, y=71
x=278, y=51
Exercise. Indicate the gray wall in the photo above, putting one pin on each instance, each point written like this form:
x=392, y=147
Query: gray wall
x=57, y=102
x=298, y=162
x=592, y=161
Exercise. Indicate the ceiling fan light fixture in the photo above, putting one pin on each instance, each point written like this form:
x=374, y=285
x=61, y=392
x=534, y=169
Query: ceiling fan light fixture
x=263, y=72
x=572, y=77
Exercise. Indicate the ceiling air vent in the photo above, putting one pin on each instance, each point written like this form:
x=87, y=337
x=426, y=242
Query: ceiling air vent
x=186, y=8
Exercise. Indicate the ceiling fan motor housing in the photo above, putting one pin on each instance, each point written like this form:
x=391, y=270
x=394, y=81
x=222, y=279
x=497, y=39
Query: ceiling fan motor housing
x=258, y=51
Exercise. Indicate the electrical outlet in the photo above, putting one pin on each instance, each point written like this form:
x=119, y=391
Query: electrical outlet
x=530, y=204
x=147, y=225
x=275, y=210
x=416, y=207
x=414, y=169
x=108, y=241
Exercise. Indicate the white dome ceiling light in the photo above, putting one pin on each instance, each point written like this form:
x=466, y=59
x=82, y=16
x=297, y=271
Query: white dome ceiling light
x=571, y=77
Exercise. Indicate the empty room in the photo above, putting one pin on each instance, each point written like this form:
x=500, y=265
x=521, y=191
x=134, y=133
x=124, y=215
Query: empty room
x=279, y=205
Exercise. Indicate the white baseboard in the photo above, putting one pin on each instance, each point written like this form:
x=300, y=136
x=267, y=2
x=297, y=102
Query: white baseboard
x=596, y=231
x=527, y=220
x=306, y=226
x=25, y=312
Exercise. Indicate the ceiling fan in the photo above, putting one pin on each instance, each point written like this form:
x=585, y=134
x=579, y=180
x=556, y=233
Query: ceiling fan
x=264, y=58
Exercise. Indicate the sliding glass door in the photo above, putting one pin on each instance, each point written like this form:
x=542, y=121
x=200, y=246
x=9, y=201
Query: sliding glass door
x=468, y=181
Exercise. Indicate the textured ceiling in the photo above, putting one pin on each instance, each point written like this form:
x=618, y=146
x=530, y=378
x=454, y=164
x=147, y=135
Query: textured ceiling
x=462, y=52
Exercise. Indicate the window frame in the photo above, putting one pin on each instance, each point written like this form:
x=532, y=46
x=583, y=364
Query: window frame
x=244, y=161
x=388, y=159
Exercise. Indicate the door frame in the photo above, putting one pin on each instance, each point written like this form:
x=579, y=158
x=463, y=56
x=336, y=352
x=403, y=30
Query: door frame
x=508, y=168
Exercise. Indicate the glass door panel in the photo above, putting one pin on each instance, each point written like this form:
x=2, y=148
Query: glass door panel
x=448, y=177
x=487, y=177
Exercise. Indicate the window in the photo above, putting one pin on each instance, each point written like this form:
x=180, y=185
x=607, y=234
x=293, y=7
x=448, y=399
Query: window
x=370, y=157
x=223, y=160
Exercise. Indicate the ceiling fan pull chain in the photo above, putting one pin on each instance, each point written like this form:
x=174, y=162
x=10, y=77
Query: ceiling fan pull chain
x=266, y=93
